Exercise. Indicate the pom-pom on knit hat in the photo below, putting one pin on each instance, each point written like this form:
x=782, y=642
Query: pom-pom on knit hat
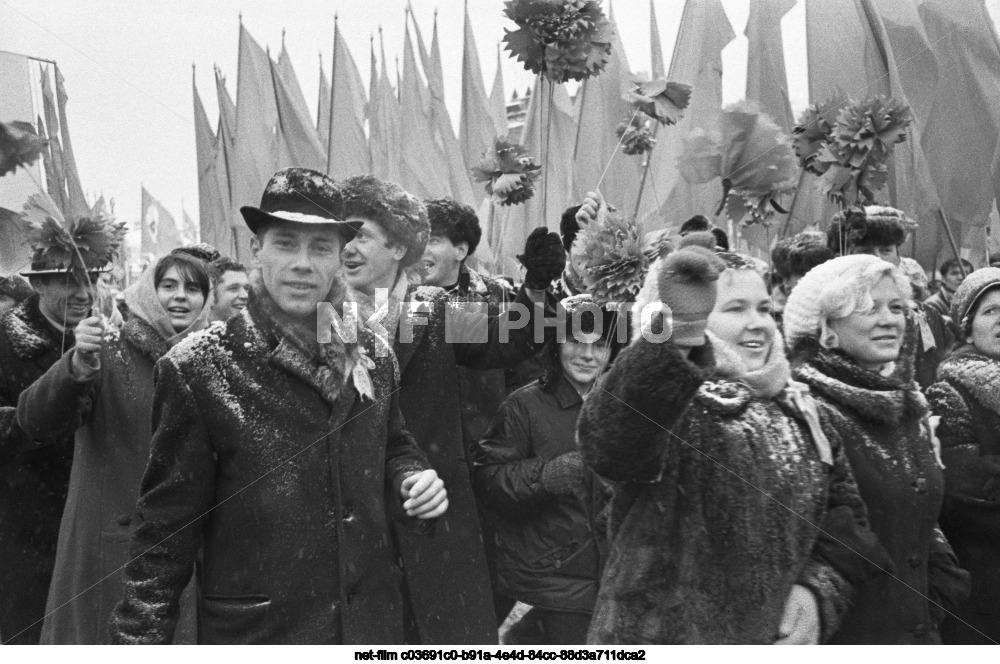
x=804, y=311
x=973, y=288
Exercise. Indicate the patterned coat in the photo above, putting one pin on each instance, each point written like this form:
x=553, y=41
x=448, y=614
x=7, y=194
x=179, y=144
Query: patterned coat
x=33, y=482
x=721, y=505
x=967, y=398
x=287, y=481
x=883, y=423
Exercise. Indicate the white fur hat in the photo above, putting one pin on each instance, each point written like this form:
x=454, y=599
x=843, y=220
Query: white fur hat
x=833, y=289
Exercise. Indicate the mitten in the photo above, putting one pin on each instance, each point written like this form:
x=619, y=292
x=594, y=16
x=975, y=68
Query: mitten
x=544, y=258
x=563, y=474
x=687, y=285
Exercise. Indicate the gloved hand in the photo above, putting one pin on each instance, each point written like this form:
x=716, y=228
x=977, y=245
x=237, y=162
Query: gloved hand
x=564, y=474
x=687, y=284
x=544, y=258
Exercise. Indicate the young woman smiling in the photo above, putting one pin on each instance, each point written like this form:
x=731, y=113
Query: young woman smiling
x=845, y=322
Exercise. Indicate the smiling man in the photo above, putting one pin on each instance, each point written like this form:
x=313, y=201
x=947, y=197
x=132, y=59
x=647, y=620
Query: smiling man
x=230, y=289
x=283, y=457
x=446, y=574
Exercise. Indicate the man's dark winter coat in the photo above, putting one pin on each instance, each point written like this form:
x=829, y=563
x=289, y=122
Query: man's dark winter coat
x=286, y=483
x=33, y=482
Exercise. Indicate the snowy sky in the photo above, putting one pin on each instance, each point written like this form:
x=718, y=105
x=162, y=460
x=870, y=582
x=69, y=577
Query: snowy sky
x=127, y=65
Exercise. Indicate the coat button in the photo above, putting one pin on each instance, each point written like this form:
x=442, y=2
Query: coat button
x=124, y=519
x=920, y=485
x=914, y=561
x=348, y=514
x=920, y=630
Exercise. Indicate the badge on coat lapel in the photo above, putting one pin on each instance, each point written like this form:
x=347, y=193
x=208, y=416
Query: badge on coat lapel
x=361, y=376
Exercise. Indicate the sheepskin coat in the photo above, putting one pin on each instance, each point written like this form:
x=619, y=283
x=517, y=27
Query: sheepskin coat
x=33, y=479
x=967, y=398
x=449, y=589
x=287, y=477
x=549, y=545
x=720, y=505
x=883, y=421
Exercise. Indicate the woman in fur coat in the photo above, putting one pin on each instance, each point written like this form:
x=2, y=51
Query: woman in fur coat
x=735, y=511
x=967, y=398
x=103, y=391
x=845, y=322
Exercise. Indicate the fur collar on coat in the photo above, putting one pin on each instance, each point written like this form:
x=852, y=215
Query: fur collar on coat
x=28, y=332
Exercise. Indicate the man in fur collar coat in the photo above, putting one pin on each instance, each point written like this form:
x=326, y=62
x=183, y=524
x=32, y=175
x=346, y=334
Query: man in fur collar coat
x=284, y=457
x=446, y=574
x=34, y=478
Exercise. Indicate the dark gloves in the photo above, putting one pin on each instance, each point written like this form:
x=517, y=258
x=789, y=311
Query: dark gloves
x=544, y=258
x=687, y=284
x=563, y=475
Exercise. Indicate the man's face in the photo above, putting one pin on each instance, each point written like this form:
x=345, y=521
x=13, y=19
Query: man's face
x=230, y=294
x=954, y=278
x=63, y=300
x=371, y=260
x=443, y=260
x=887, y=252
x=299, y=264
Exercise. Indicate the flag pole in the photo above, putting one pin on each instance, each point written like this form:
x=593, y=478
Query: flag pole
x=548, y=136
x=951, y=239
x=645, y=172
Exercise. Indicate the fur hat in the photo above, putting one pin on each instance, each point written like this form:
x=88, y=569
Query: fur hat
x=583, y=308
x=868, y=226
x=301, y=195
x=834, y=289
x=800, y=253
x=402, y=216
x=975, y=286
x=455, y=221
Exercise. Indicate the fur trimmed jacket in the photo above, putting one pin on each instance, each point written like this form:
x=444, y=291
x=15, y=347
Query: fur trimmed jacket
x=33, y=480
x=883, y=422
x=284, y=463
x=722, y=505
x=967, y=398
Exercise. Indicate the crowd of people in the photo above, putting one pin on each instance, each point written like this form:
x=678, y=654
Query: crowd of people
x=794, y=452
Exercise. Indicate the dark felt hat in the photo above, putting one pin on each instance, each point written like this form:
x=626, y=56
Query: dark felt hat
x=301, y=195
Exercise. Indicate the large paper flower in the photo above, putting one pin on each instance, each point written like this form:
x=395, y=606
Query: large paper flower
x=19, y=146
x=508, y=171
x=560, y=39
x=661, y=99
x=753, y=158
x=79, y=246
x=813, y=131
x=636, y=136
x=610, y=250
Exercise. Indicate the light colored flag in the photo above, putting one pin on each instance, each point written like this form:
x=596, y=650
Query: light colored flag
x=211, y=211
x=17, y=84
x=659, y=70
x=516, y=222
x=296, y=131
x=189, y=230
x=459, y=177
x=963, y=125
x=384, y=128
x=476, y=129
x=255, y=148
x=348, y=152
x=159, y=230
x=596, y=150
x=423, y=169
x=76, y=201
x=697, y=60
x=54, y=173
x=323, y=107
x=286, y=72
x=498, y=100
x=225, y=238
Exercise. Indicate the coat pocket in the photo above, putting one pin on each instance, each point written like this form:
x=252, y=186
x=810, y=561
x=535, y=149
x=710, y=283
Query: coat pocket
x=233, y=619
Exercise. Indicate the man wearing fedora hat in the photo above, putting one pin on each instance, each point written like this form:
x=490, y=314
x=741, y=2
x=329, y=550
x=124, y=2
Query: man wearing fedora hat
x=282, y=457
x=34, y=478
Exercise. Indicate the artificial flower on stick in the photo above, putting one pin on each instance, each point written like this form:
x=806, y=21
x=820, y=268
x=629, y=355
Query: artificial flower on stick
x=19, y=146
x=610, y=250
x=660, y=99
x=636, y=136
x=560, y=39
x=508, y=171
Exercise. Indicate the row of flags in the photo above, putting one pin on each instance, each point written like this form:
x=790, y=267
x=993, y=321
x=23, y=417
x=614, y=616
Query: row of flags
x=941, y=56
